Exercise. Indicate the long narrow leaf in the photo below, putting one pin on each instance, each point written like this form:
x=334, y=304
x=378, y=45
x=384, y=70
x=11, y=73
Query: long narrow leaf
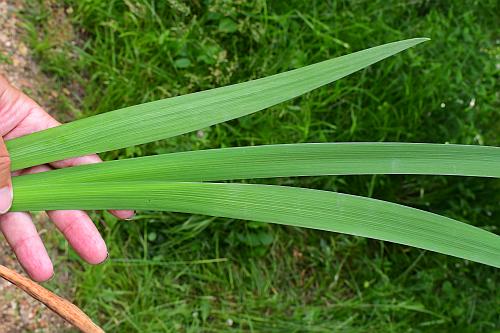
x=308, y=159
x=170, y=117
x=276, y=204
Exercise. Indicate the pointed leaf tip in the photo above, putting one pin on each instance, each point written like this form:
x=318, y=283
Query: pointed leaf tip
x=182, y=114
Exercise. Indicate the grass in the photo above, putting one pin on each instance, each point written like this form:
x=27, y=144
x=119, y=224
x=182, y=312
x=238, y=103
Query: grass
x=176, y=272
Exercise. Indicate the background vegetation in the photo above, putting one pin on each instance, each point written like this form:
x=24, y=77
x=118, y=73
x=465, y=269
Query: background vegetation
x=175, y=272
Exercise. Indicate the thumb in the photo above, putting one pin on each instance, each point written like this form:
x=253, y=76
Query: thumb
x=5, y=181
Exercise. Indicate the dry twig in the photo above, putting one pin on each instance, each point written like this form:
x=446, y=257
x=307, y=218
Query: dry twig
x=64, y=308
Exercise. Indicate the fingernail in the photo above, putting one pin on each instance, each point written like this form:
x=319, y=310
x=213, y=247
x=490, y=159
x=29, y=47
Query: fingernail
x=5, y=199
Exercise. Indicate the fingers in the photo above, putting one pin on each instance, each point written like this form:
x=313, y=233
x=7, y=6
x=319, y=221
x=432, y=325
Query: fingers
x=22, y=236
x=123, y=214
x=81, y=233
x=78, y=229
x=71, y=162
x=5, y=181
x=38, y=120
x=91, y=159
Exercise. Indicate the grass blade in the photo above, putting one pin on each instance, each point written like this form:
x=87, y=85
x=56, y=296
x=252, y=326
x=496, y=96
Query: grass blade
x=306, y=159
x=276, y=204
x=174, y=116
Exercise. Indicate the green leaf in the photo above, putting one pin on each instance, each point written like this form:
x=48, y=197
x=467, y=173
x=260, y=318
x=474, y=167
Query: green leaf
x=182, y=63
x=174, y=116
x=275, y=204
x=307, y=159
x=227, y=25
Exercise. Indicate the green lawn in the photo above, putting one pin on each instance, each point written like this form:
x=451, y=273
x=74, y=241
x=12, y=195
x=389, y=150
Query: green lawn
x=175, y=272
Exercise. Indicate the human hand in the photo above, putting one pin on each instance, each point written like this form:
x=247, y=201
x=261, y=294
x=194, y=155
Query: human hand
x=20, y=115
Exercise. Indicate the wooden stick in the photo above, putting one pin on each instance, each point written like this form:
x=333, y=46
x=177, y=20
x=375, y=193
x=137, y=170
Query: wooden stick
x=64, y=308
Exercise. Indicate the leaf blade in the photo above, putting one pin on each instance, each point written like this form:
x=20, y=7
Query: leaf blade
x=290, y=160
x=174, y=116
x=276, y=204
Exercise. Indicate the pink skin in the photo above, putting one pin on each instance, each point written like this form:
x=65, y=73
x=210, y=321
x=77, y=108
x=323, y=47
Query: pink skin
x=20, y=115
